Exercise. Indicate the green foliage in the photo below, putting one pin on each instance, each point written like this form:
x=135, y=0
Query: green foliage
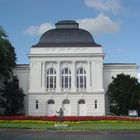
x=124, y=94
x=12, y=97
x=7, y=55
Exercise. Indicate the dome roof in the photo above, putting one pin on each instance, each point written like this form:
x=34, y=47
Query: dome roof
x=66, y=34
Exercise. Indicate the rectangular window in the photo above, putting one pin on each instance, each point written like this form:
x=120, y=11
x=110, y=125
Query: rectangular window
x=54, y=81
x=96, y=104
x=62, y=82
x=47, y=82
x=69, y=81
x=77, y=82
x=84, y=81
x=51, y=81
x=36, y=105
x=66, y=81
x=81, y=81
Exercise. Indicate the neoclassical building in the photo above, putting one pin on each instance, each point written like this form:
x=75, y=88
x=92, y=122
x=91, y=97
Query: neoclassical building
x=66, y=71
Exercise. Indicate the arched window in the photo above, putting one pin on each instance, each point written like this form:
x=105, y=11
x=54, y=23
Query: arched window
x=66, y=101
x=81, y=78
x=51, y=78
x=66, y=78
x=51, y=101
x=81, y=101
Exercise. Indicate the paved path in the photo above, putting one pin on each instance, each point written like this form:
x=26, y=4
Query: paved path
x=31, y=134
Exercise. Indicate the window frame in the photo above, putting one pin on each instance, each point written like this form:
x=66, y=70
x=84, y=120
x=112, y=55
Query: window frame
x=81, y=78
x=36, y=104
x=96, y=104
x=51, y=78
x=66, y=78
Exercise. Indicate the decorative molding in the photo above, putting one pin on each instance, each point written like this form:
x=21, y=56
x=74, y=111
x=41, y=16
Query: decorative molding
x=119, y=67
x=66, y=93
x=69, y=49
x=67, y=55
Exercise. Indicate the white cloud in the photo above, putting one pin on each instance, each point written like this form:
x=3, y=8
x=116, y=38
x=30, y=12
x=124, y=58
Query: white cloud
x=38, y=30
x=113, y=6
x=97, y=26
x=100, y=25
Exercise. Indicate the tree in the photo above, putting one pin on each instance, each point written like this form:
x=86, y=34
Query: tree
x=7, y=55
x=12, y=97
x=123, y=94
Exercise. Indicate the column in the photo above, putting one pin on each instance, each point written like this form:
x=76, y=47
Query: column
x=88, y=73
x=99, y=78
x=93, y=73
x=100, y=68
x=73, y=77
x=43, y=75
x=58, y=77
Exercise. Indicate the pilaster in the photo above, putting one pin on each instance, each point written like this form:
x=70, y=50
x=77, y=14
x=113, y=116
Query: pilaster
x=58, y=77
x=88, y=76
x=43, y=75
x=73, y=77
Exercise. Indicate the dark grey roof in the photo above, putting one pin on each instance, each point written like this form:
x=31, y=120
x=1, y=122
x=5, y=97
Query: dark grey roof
x=66, y=34
x=65, y=22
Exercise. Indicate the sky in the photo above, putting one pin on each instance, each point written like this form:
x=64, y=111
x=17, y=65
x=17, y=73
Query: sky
x=114, y=24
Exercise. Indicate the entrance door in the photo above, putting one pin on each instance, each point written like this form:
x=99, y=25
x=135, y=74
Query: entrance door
x=81, y=108
x=66, y=107
x=51, y=108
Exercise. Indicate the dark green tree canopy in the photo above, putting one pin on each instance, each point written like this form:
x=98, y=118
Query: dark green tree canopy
x=7, y=55
x=124, y=94
x=12, y=97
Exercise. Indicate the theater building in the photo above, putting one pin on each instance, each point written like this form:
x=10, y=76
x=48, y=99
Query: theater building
x=66, y=70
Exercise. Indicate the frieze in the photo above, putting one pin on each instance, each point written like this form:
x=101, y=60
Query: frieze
x=119, y=67
x=70, y=49
x=67, y=55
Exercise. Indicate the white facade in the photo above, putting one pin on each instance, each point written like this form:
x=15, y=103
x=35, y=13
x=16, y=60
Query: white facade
x=72, y=78
x=89, y=59
x=44, y=108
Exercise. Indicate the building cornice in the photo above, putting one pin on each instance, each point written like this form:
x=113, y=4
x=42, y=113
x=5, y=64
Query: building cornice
x=63, y=93
x=67, y=55
x=120, y=66
x=21, y=66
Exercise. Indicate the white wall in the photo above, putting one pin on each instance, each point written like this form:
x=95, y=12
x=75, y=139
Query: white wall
x=43, y=58
x=90, y=58
x=73, y=98
x=110, y=70
x=23, y=73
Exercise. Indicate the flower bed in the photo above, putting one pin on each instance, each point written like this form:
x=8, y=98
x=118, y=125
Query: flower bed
x=73, y=122
x=70, y=118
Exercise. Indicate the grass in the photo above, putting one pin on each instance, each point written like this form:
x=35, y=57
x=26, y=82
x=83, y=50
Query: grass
x=71, y=126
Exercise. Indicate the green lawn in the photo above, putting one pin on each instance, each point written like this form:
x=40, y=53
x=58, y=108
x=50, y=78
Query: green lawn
x=81, y=126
